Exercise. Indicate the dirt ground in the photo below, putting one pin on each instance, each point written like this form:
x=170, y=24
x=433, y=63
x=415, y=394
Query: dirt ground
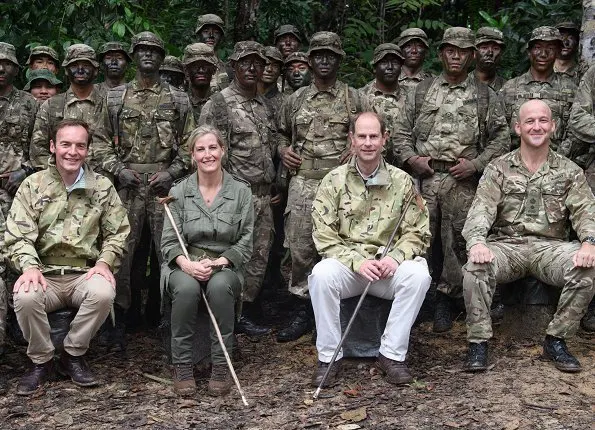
x=518, y=392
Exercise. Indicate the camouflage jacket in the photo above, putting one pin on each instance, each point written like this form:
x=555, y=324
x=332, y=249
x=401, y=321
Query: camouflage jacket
x=274, y=98
x=353, y=220
x=574, y=72
x=54, y=110
x=220, y=79
x=558, y=92
x=250, y=133
x=152, y=128
x=408, y=83
x=512, y=202
x=497, y=83
x=88, y=224
x=17, y=116
x=198, y=103
x=447, y=125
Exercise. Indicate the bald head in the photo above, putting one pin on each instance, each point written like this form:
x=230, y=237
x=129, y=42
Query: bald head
x=534, y=124
x=531, y=105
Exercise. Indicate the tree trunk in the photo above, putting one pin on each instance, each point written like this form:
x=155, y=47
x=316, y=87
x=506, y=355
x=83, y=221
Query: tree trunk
x=245, y=25
x=588, y=31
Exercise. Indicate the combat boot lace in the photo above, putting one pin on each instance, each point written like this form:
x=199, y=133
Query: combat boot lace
x=183, y=376
x=396, y=372
x=555, y=349
x=477, y=357
x=220, y=382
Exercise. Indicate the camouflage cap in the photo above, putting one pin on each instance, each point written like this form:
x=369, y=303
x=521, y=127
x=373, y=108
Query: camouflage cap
x=8, y=52
x=385, y=49
x=41, y=74
x=568, y=25
x=247, y=47
x=80, y=52
x=113, y=47
x=273, y=53
x=296, y=57
x=209, y=19
x=287, y=29
x=460, y=37
x=146, y=38
x=489, y=34
x=199, y=52
x=326, y=40
x=43, y=50
x=172, y=64
x=545, y=34
x=413, y=33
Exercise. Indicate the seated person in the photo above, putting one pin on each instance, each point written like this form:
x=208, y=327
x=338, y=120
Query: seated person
x=526, y=201
x=214, y=215
x=356, y=209
x=65, y=233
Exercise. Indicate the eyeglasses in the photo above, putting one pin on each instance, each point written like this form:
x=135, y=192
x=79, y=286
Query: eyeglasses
x=245, y=63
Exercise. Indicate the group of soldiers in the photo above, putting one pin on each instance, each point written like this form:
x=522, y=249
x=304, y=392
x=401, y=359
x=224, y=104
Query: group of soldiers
x=285, y=119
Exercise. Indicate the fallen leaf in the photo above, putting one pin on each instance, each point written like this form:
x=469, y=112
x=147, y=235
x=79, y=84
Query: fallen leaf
x=348, y=427
x=355, y=415
x=308, y=402
x=452, y=424
x=351, y=393
x=63, y=419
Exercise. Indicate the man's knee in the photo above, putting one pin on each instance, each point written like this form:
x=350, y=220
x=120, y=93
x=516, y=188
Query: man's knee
x=101, y=291
x=28, y=301
x=326, y=273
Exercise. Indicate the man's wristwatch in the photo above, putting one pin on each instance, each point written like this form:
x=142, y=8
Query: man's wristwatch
x=590, y=240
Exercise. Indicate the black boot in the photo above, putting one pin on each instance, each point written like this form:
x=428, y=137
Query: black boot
x=113, y=337
x=302, y=323
x=35, y=378
x=554, y=349
x=477, y=357
x=588, y=321
x=246, y=324
x=442, y=313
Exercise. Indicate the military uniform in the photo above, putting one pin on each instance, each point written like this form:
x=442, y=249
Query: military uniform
x=274, y=96
x=408, y=83
x=249, y=130
x=353, y=219
x=42, y=75
x=104, y=87
x=149, y=127
x=199, y=52
x=220, y=78
x=490, y=34
x=296, y=57
x=64, y=233
x=523, y=219
x=446, y=124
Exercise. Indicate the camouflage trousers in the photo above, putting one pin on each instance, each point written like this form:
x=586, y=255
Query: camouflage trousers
x=262, y=241
x=448, y=202
x=5, y=202
x=298, y=233
x=142, y=207
x=548, y=260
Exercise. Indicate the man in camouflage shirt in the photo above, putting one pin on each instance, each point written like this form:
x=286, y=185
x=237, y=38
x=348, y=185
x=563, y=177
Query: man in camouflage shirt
x=114, y=60
x=414, y=45
x=541, y=82
x=248, y=125
x=566, y=62
x=200, y=63
x=314, y=125
x=383, y=93
x=453, y=127
x=171, y=72
x=147, y=123
x=298, y=72
x=489, y=43
x=267, y=86
x=356, y=209
x=43, y=57
x=519, y=225
x=210, y=29
x=65, y=233
x=287, y=39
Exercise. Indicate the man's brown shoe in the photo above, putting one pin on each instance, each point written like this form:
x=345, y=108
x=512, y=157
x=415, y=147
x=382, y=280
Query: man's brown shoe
x=35, y=378
x=77, y=369
x=220, y=382
x=321, y=370
x=183, y=376
x=396, y=372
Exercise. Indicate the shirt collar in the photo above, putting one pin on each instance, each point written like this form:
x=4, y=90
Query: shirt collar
x=94, y=96
x=442, y=81
x=155, y=88
x=380, y=176
x=334, y=90
x=528, y=77
x=78, y=183
x=10, y=94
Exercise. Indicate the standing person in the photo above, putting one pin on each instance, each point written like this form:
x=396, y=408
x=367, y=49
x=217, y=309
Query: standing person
x=298, y=72
x=148, y=123
x=43, y=57
x=245, y=120
x=489, y=43
x=453, y=127
x=65, y=234
x=287, y=39
x=200, y=64
x=355, y=211
x=114, y=60
x=210, y=29
x=518, y=225
x=566, y=61
x=171, y=72
x=541, y=82
x=220, y=245
x=42, y=85
x=267, y=85
x=313, y=126
x=414, y=45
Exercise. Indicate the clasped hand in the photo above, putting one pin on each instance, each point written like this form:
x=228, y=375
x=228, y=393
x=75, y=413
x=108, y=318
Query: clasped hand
x=374, y=270
x=201, y=270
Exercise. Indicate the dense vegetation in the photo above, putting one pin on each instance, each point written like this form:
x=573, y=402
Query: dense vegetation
x=362, y=23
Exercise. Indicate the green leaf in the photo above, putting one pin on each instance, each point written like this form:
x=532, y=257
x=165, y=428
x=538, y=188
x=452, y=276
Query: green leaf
x=119, y=29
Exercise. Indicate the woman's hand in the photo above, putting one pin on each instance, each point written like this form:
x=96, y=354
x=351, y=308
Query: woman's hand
x=199, y=270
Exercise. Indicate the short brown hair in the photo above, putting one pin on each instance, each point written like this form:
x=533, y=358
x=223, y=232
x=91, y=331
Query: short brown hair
x=201, y=131
x=72, y=122
x=380, y=119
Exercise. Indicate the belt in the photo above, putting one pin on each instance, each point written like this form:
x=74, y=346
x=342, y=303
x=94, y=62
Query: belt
x=441, y=166
x=67, y=261
x=261, y=190
x=315, y=168
x=200, y=253
x=147, y=168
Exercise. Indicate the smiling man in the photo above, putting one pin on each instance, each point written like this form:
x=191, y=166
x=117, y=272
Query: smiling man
x=354, y=213
x=519, y=224
x=65, y=234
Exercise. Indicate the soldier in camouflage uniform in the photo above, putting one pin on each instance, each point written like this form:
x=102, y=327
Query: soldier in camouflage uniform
x=566, y=62
x=200, y=63
x=267, y=86
x=540, y=82
x=453, y=127
x=383, y=93
x=489, y=43
x=248, y=125
x=42, y=85
x=355, y=211
x=519, y=225
x=81, y=101
x=172, y=72
x=298, y=72
x=147, y=123
x=314, y=125
x=287, y=39
x=65, y=233
x=114, y=60
x=210, y=29
x=414, y=45
x=43, y=57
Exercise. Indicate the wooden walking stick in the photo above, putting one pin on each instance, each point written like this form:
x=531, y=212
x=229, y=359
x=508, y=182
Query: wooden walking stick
x=165, y=202
x=362, y=297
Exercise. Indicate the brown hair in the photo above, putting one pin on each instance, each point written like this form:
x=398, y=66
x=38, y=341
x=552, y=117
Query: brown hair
x=71, y=122
x=201, y=131
x=373, y=114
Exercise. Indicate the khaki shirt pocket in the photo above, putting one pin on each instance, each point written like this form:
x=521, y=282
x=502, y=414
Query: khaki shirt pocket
x=14, y=128
x=130, y=122
x=425, y=122
x=468, y=128
x=554, y=200
x=166, y=120
x=513, y=200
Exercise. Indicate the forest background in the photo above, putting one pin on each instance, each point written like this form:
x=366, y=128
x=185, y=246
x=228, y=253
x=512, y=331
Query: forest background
x=363, y=24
